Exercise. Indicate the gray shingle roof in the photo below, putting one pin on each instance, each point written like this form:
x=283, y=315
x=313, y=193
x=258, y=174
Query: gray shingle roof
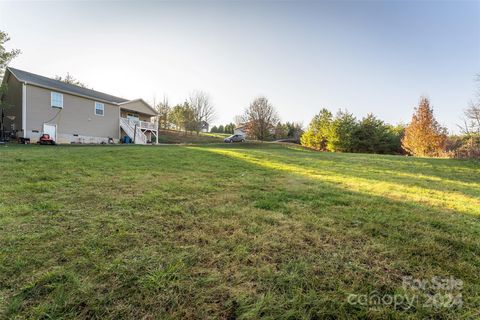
x=42, y=81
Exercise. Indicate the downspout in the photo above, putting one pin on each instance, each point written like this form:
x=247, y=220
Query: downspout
x=24, y=109
x=119, y=126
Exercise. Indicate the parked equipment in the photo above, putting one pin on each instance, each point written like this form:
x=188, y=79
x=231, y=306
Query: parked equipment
x=23, y=140
x=45, y=139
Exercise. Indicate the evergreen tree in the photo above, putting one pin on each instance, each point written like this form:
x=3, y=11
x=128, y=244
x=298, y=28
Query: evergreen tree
x=372, y=136
x=164, y=111
x=229, y=128
x=341, y=133
x=318, y=131
x=281, y=131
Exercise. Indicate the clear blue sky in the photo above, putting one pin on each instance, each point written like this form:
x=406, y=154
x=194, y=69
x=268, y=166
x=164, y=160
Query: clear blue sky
x=371, y=56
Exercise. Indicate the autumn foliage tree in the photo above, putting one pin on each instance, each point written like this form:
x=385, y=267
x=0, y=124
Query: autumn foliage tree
x=424, y=136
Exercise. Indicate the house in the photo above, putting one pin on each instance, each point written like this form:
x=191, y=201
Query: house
x=240, y=130
x=205, y=127
x=72, y=114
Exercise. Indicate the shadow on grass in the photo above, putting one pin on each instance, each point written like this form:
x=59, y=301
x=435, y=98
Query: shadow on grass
x=219, y=235
x=420, y=239
x=368, y=174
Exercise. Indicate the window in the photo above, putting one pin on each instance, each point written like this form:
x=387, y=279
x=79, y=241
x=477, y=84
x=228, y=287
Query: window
x=56, y=100
x=99, y=108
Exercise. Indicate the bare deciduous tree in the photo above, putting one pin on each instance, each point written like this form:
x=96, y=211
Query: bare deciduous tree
x=260, y=119
x=203, y=109
x=471, y=120
x=238, y=120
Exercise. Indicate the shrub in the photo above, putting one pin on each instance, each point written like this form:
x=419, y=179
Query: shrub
x=469, y=149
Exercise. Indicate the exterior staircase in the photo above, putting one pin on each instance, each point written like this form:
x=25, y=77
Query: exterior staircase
x=133, y=131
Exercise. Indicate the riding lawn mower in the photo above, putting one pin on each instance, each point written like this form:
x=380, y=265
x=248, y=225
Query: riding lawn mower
x=45, y=139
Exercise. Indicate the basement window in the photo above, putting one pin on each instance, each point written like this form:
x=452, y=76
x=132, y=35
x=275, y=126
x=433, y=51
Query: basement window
x=99, y=109
x=56, y=100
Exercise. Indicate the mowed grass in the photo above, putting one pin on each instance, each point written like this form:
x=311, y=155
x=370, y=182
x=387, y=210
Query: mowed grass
x=241, y=231
x=180, y=137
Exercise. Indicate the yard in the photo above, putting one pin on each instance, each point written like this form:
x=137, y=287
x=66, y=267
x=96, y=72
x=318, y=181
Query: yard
x=240, y=231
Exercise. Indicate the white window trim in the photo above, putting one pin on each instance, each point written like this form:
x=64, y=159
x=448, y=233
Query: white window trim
x=51, y=99
x=95, y=109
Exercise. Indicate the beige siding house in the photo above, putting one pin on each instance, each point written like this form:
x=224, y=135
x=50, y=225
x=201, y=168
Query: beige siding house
x=72, y=114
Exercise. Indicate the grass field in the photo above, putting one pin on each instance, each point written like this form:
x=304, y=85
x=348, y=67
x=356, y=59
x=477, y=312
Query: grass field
x=180, y=137
x=242, y=231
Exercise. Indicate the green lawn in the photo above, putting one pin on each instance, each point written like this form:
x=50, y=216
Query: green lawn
x=180, y=137
x=242, y=231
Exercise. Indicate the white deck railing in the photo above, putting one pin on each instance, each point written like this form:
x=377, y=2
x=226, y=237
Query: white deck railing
x=144, y=125
x=148, y=125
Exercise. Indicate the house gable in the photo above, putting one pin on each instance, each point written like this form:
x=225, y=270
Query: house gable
x=138, y=105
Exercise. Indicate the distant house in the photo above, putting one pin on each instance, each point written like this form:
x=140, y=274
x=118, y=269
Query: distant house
x=205, y=126
x=72, y=114
x=240, y=130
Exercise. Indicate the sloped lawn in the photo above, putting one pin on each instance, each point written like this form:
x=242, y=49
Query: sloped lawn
x=241, y=231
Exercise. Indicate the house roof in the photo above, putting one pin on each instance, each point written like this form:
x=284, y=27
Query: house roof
x=41, y=81
x=136, y=105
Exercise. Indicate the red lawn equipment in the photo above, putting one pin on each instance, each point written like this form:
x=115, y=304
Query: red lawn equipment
x=45, y=139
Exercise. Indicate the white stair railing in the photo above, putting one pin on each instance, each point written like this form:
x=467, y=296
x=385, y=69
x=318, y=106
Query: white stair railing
x=134, y=132
x=126, y=127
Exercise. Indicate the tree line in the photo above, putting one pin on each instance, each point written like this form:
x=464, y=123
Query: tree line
x=193, y=115
x=423, y=136
x=228, y=128
x=261, y=122
x=342, y=132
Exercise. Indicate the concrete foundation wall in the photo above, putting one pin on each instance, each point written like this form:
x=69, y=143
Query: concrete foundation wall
x=68, y=138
